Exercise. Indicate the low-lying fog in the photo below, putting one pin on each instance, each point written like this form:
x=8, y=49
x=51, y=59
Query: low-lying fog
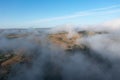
x=100, y=60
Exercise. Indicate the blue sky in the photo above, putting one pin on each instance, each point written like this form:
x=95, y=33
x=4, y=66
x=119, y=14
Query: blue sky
x=48, y=13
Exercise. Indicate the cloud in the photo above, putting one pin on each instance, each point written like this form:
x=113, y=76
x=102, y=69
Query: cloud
x=113, y=24
x=76, y=15
x=101, y=9
x=98, y=11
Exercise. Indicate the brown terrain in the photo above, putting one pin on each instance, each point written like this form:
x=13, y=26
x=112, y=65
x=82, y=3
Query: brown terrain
x=12, y=36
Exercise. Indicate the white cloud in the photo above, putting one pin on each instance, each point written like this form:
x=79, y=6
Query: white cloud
x=98, y=11
x=113, y=24
x=43, y=22
x=102, y=9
